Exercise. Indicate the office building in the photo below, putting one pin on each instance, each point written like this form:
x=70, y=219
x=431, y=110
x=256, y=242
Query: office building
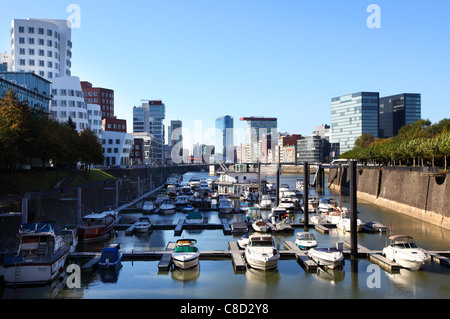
x=101, y=96
x=28, y=86
x=353, y=115
x=42, y=46
x=256, y=127
x=396, y=111
x=149, y=118
x=224, y=149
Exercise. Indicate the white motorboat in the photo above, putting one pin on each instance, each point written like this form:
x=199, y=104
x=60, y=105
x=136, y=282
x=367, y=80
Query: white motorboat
x=345, y=222
x=278, y=220
x=261, y=252
x=148, y=207
x=186, y=253
x=194, y=182
x=402, y=250
x=143, y=225
x=41, y=255
x=305, y=240
x=327, y=257
x=317, y=219
x=260, y=226
x=225, y=204
x=69, y=233
x=325, y=204
x=243, y=241
x=266, y=202
x=167, y=207
x=300, y=185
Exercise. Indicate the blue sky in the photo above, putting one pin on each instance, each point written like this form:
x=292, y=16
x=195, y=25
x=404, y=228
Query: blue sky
x=284, y=59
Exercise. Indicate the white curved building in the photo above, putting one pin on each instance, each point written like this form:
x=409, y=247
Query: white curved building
x=68, y=101
x=41, y=46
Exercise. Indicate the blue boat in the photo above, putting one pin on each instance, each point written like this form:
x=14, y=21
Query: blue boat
x=111, y=258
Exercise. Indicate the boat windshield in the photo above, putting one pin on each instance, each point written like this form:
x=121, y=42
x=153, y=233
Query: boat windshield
x=307, y=236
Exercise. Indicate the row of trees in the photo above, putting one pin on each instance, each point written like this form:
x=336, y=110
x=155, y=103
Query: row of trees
x=27, y=133
x=417, y=144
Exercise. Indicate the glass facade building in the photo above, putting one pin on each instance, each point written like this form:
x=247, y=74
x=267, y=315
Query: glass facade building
x=353, y=115
x=224, y=138
x=396, y=111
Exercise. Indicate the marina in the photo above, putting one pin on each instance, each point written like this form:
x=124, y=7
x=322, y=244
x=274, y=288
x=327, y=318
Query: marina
x=148, y=271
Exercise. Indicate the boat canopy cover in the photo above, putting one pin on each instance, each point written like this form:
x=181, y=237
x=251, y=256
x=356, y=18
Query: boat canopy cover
x=109, y=252
x=45, y=227
x=186, y=249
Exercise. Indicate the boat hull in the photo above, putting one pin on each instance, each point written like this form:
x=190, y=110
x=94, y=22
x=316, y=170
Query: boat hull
x=34, y=272
x=185, y=261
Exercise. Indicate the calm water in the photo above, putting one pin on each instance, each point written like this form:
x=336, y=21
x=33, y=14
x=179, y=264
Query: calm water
x=217, y=278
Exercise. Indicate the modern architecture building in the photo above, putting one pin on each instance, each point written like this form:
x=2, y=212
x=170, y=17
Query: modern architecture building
x=224, y=149
x=117, y=148
x=256, y=127
x=101, y=96
x=42, y=46
x=28, y=86
x=149, y=118
x=68, y=101
x=95, y=119
x=353, y=115
x=396, y=111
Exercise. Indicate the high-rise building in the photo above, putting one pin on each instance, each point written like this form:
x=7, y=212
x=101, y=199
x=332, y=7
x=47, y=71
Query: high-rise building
x=101, y=96
x=353, y=115
x=256, y=127
x=224, y=149
x=396, y=111
x=149, y=118
x=42, y=46
x=175, y=128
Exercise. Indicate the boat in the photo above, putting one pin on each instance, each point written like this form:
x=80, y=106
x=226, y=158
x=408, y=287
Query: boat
x=325, y=204
x=260, y=226
x=243, y=241
x=143, y=225
x=402, y=250
x=167, y=207
x=300, y=185
x=70, y=237
x=194, y=217
x=148, y=207
x=182, y=201
x=97, y=226
x=261, y=252
x=41, y=255
x=244, y=207
x=317, y=219
x=110, y=258
x=194, y=182
x=327, y=257
x=373, y=227
x=305, y=240
x=279, y=220
x=225, y=204
x=186, y=254
x=266, y=202
x=344, y=223
x=188, y=208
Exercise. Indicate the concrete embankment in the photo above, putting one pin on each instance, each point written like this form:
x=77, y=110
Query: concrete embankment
x=418, y=194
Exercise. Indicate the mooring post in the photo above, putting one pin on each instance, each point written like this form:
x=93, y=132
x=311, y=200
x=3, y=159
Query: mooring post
x=278, y=184
x=306, y=194
x=353, y=210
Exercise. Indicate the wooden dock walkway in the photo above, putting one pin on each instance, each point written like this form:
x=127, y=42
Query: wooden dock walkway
x=166, y=260
x=307, y=263
x=237, y=256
